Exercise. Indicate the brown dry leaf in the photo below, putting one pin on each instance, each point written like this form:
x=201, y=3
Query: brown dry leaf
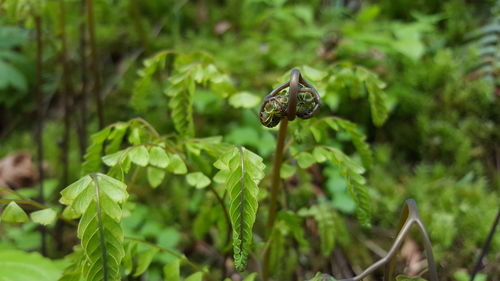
x=17, y=170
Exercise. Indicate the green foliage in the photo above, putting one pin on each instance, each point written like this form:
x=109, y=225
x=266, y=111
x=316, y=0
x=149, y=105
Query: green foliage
x=330, y=226
x=44, y=217
x=241, y=171
x=17, y=265
x=97, y=198
x=14, y=213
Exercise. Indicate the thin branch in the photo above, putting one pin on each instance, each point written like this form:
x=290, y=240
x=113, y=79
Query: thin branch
x=39, y=122
x=93, y=62
x=486, y=247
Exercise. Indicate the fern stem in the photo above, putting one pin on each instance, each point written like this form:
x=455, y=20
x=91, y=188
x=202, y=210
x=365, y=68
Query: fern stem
x=39, y=123
x=101, y=228
x=224, y=209
x=93, y=62
x=275, y=184
x=486, y=247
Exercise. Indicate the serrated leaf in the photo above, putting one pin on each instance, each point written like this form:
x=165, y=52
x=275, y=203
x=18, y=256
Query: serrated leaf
x=144, y=259
x=377, y=99
x=158, y=157
x=139, y=155
x=93, y=154
x=198, y=180
x=44, y=217
x=155, y=176
x=242, y=171
x=97, y=198
x=14, y=213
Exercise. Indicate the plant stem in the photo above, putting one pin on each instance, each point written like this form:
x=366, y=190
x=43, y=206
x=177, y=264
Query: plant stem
x=224, y=209
x=66, y=93
x=82, y=101
x=39, y=126
x=93, y=63
x=275, y=184
x=486, y=247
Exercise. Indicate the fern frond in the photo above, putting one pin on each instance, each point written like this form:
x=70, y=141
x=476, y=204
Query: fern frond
x=181, y=106
x=241, y=170
x=92, y=162
x=97, y=198
x=353, y=175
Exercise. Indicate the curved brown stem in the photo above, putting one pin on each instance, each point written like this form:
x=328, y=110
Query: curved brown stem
x=409, y=217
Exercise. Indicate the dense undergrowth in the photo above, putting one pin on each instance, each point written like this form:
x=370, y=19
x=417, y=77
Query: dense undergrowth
x=169, y=178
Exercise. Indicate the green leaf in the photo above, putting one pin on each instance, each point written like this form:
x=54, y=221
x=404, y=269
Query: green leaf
x=14, y=213
x=176, y=165
x=155, y=176
x=198, y=276
x=112, y=159
x=242, y=171
x=139, y=155
x=287, y=171
x=11, y=76
x=172, y=272
x=353, y=175
x=326, y=218
x=44, y=217
x=98, y=198
x=377, y=98
x=251, y=277
x=305, y=160
x=92, y=157
x=244, y=100
x=158, y=157
x=198, y=180
x=17, y=265
x=144, y=259
x=181, y=106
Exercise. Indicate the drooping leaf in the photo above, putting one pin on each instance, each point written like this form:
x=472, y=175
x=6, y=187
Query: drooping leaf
x=44, y=217
x=144, y=259
x=198, y=180
x=171, y=271
x=17, y=265
x=98, y=198
x=93, y=155
x=155, y=176
x=176, y=165
x=139, y=155
x=241, y=170
x=353, y=175
x=14, y=213
x=158, y=157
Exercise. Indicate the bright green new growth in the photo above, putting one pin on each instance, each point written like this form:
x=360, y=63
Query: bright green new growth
x=97, y=198
x=241, y=171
